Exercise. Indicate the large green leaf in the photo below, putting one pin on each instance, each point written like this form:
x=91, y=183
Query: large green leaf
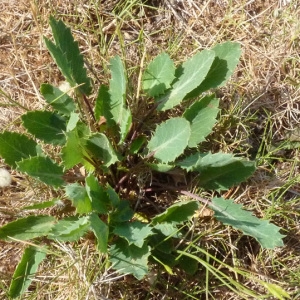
x=122, y=212
x=15, y=147
x=70, y=229
x=59, y=100
x=79, y=196
x=226, y=59
x=135, y=232
x=42, y=205
x=25, y=271
x=116, y=111
x=177, y=213
x=102, y=103
x=67, y=56
x=218, y=171
x=46, y=126
x=74, y=151
x=101, y=232
x=197, y=161
x=100, y=147
x=230, y=213
x=130, y=259
x=27, y=228
x=193, y=72
x=97, y=194
x=159, y=75
x=202, y=116
x=44, y=169
x=170, y=139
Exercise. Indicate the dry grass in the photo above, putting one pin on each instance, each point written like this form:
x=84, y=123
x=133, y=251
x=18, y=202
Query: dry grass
x=261, y=108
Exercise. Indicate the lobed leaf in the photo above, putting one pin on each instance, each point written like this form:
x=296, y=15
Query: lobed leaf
x=59, y=100
x=25, y=271
x=226, y=59
x=67, y=56
x=100, y=147
x=135, y=233
x=193, y=72
x=46, y=126
x=44, y=169
x=230, y=213
x=15, y=146
x=159, y=75
x=27, y=228
x=177, y=213
x=70, y=229
x=170, y=139
x=130, y=259
x=202, y=115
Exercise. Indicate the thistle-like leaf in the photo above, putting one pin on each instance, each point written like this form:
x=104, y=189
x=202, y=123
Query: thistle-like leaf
x=130, y=259
x=101, y=231
x=226, y=59
x=44, y=169
x=15, y=146
x=135, y=233
x=170, y=139
x=230, y=213
x=159, y=75
x=177, y=213
x=27, y=228
x=102, y=103
x=115, y=111
x=192, y=73
x=218, y=171
x=59, y=100
x=66, y=54
x=202, y=116
x=100, y=147
x=79, y=196
x=98, y=196
x=70, y=229
x=46, y=126
x=74, y=151
x=25, y=271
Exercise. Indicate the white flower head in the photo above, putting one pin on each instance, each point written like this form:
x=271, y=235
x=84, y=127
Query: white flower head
x=5, y=178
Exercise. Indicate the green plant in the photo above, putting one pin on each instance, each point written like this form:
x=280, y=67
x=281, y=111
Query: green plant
x=126, y=157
